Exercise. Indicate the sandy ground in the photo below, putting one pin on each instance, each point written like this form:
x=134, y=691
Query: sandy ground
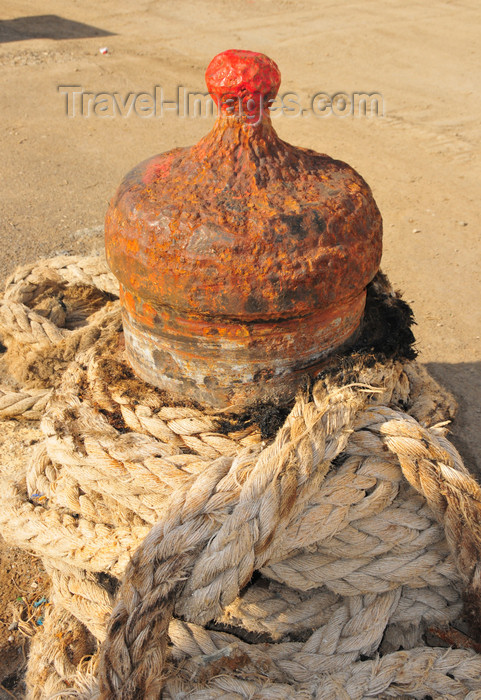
x=422, y=158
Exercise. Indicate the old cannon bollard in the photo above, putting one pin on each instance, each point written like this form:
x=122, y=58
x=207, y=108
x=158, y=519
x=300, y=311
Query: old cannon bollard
x=243, y=261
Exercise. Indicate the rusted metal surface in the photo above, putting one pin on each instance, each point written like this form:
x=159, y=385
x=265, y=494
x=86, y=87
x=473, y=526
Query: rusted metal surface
x=243, y=260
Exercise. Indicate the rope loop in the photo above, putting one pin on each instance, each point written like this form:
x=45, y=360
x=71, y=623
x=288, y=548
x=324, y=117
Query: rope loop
x=200, y=554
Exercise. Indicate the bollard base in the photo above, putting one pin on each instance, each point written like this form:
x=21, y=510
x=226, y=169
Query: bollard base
x=223, y=362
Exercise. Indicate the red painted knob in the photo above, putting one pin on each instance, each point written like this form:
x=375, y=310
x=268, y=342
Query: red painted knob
x=242, y=81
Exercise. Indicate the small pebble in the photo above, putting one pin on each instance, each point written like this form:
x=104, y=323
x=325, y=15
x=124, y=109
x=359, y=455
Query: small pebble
x=34, y=584
x=10, y=639
x=463, y=223
x=416, y=230
x=13, y=626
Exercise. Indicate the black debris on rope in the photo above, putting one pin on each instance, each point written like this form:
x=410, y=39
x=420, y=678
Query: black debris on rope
x=385, y=333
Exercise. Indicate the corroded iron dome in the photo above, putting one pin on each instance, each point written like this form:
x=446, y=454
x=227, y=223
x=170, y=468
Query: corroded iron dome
x=243, y=261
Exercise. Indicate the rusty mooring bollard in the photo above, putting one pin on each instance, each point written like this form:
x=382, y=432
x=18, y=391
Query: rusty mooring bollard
x=243, y=261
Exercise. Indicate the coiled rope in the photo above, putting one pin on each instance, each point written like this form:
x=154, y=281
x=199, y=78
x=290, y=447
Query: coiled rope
x=306, y=564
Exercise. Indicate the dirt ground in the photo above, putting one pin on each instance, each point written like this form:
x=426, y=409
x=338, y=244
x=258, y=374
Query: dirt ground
x=421, y=158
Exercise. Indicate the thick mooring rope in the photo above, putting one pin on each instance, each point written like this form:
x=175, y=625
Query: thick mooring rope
x=304, y=565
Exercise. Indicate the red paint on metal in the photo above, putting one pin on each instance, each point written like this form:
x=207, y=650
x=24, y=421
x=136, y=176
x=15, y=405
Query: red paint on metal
x=243, y=260
x=242, y=82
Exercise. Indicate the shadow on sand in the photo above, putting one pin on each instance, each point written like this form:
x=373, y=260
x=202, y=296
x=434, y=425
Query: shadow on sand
x=464, y=381
x=46, y=27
